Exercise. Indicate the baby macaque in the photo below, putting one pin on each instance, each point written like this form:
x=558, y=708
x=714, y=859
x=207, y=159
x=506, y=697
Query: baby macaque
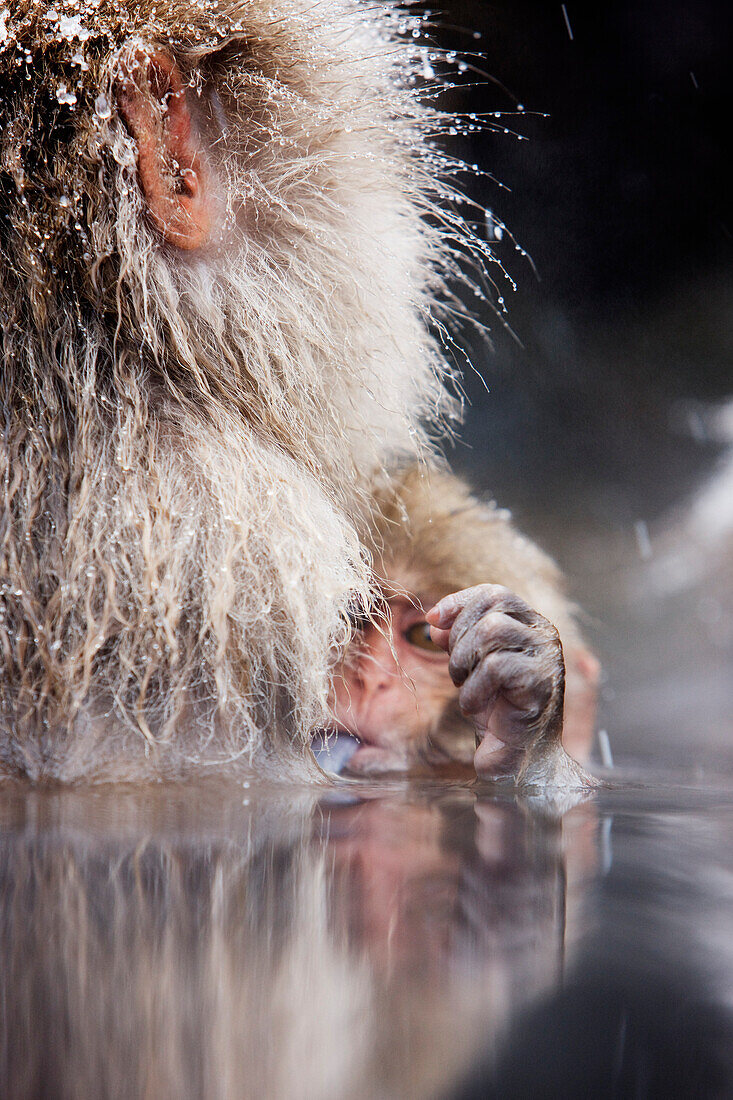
x=456, y=672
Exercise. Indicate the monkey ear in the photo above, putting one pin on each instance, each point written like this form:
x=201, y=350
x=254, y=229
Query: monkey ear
x=172, y=167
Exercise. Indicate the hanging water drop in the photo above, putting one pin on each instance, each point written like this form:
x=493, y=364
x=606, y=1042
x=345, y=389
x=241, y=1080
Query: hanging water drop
x=64, y=96
x=102, y=107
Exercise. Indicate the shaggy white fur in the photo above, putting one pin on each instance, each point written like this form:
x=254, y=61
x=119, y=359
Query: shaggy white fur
x=189, y=442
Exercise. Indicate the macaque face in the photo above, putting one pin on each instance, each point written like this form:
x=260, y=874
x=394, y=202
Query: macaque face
x=483, y=652
x=392, y=689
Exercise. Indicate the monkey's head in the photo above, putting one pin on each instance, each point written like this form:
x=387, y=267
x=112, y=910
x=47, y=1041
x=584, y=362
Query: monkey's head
x=222, y=204
x=394, y=690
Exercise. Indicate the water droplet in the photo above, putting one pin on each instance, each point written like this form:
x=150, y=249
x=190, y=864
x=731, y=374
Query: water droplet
x=70, y=27
x=102, y=107
x=64, y=96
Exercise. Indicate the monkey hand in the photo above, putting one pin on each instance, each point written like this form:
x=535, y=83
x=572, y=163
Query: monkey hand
x=507, y=662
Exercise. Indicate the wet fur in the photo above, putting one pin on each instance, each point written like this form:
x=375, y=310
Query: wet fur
x=188, y=444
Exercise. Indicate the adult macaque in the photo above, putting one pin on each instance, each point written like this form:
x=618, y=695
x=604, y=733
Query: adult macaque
x=215, y=288
x=470, y=675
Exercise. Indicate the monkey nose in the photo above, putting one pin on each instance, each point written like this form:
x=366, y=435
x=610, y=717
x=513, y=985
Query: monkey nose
x=380, y=675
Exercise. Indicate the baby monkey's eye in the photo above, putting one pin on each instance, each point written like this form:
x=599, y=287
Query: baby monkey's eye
x=419, y=635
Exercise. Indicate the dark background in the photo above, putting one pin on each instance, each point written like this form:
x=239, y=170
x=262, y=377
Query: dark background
x=597, y=416
x=621, y=198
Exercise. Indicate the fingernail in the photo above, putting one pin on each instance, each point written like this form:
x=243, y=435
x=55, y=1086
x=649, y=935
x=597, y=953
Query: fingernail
x=435, y=615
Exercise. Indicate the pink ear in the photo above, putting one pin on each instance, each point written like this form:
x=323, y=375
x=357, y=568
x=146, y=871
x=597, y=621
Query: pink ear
x=172, y=168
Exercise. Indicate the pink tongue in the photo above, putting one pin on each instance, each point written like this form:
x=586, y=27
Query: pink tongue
x=334, y=750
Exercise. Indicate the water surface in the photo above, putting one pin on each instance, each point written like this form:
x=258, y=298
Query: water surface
x=391, y=940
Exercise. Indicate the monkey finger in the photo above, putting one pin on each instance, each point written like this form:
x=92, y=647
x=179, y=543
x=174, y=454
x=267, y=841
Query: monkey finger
x=440, y=637
x=493, y=597
x=494, y=631
x=446, y=611
x=524, y=683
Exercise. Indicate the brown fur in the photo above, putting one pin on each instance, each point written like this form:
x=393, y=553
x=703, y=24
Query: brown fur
x=435, y=533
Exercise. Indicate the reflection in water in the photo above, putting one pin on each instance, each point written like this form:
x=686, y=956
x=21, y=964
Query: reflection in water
x=182, y=943
x=645, y=1008
x=221, y=942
